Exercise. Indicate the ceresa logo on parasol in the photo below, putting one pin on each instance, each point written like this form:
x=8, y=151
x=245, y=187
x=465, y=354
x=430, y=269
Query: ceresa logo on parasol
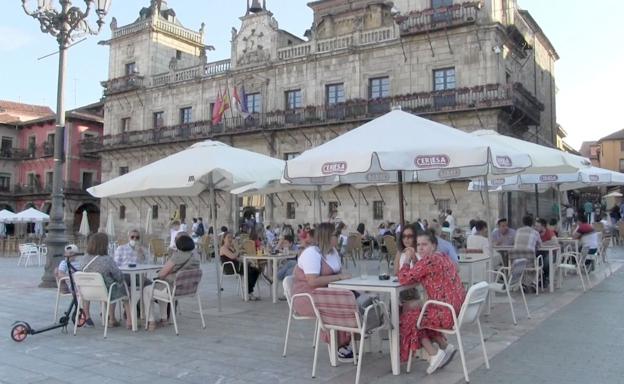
x=504, y=161
x=432, y=161
x=548, y=178
x=334, y=168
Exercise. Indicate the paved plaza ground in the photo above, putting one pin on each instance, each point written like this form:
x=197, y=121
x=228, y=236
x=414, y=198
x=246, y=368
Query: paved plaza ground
x=572, y=337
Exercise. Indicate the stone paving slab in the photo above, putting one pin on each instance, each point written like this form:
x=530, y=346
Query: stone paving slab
x=243, y=344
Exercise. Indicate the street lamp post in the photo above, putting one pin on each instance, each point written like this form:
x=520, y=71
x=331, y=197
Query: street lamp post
x=66, y=25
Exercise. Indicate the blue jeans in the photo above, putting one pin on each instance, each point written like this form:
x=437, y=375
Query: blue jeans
x=286, y=269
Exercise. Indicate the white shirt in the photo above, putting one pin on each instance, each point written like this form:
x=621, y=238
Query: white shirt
x=310, y=261
x=451, y=220
x=173, y=234
x=569, y=212
x=590, y=240
x=478, y=242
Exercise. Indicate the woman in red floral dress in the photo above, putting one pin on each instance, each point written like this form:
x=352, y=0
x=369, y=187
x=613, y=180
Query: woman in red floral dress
x=440, y=278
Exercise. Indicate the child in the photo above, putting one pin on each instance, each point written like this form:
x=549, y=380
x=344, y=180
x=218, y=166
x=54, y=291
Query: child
x=71, y=251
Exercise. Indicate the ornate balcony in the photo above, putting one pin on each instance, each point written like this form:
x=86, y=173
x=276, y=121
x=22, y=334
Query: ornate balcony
x=432, y=19
x=69, y=187
x=122, y=84
x=514, y=99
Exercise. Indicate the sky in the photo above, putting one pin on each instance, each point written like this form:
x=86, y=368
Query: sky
x=588, y=74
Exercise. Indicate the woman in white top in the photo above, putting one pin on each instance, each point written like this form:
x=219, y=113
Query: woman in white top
x=480, y=242
x=317, y=266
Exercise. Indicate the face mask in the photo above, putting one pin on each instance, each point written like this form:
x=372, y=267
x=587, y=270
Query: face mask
x=132, y=243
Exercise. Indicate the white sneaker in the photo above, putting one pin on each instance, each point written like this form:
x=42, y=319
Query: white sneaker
x=436, y=361
x=450, y=352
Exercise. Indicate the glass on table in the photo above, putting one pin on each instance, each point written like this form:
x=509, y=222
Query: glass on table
x=363, y=269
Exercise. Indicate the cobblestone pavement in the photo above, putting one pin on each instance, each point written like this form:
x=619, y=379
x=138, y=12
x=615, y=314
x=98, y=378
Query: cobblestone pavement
x=243, y=343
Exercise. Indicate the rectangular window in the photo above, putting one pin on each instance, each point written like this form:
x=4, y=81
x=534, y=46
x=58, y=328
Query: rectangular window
x=32, y=179
x=123, y=170
x=178, y=54
x=291, y=155
x=182, y=211
x=49, y=179
x=122, y=212
x=131, y=69
x=158, y=119
x=333, y=209
x=621, y=165
x=48, y=146
x=439, y=17
x=154, y=212
x=443, y=79
x=622, y=146
x=293, y=99
x=444, y=204
x=125, y=124
x=186, y=115
x=334, y=94
x=87, y=180
x=378, y=87
x=5, y=182
x=32, y=145
x=6, y=147
x=254, y=103
x=290, y=210
x=441, y=3
x=378, y=210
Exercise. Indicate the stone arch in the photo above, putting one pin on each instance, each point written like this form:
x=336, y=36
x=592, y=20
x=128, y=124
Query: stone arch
x=93, y=215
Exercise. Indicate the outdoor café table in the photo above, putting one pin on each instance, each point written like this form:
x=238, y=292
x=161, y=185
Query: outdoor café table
x=140, y=270
x=473, y=267
x=551, y=259
x=272, y=260
x=373, y=284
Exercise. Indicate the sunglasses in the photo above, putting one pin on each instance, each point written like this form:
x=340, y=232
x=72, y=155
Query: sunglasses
x=408, y=236
x=135, y=237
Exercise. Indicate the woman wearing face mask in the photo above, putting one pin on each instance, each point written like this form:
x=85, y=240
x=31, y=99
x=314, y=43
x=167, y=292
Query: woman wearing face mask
x=439, y=276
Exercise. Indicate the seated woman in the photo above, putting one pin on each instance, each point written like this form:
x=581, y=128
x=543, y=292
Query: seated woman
x=102, y=263
x=407, y=240
x=439, y=277
x=317, y=266
x=185, y=258
x=229, y=253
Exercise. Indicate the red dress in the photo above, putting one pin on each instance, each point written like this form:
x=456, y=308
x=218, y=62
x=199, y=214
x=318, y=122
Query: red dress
x=440, y=278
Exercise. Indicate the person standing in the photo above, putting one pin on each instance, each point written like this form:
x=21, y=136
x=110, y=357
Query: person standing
x=569, y=217
x=588, y=207
x=450, y=219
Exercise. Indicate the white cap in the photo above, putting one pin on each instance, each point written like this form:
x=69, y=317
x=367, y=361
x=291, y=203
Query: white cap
x=73, y=248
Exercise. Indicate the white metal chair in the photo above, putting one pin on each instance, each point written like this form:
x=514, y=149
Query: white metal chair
x=469, y=313
x=337, y=310
x=234, y=275
x=287, y=284
x=601, y=257
x=185, y=285
x=62, y=290
x=511, y=280
x=26, y=251
x=90, y=286
x=575, y=261
x=537, y=266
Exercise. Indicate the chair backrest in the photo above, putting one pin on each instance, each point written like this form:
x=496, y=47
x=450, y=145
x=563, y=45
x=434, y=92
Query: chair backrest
x=515, y=274
x=287, y=284
x=187, y=281
x=528, y=254
x=336, y=308
x=598, y=227
x=91, y=286
x=158, y=247
x=391, y=245
x=473, y=303
x=249, y=247
x=354, y=241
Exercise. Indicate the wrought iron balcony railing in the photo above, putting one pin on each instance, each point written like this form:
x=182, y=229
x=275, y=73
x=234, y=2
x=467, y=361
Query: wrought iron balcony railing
x=514, y=98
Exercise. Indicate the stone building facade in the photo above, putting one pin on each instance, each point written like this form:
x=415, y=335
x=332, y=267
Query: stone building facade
x=471, y=65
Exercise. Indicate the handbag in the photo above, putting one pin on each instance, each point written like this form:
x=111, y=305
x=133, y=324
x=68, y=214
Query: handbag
x=375, y=317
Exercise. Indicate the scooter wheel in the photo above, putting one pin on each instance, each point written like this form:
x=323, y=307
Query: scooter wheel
x=19, y=332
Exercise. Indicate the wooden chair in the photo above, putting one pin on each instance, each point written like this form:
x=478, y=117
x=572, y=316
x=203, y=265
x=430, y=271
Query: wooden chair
x=391, y=247
x=248, y=247
x=354, y=247
x=158, y=249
